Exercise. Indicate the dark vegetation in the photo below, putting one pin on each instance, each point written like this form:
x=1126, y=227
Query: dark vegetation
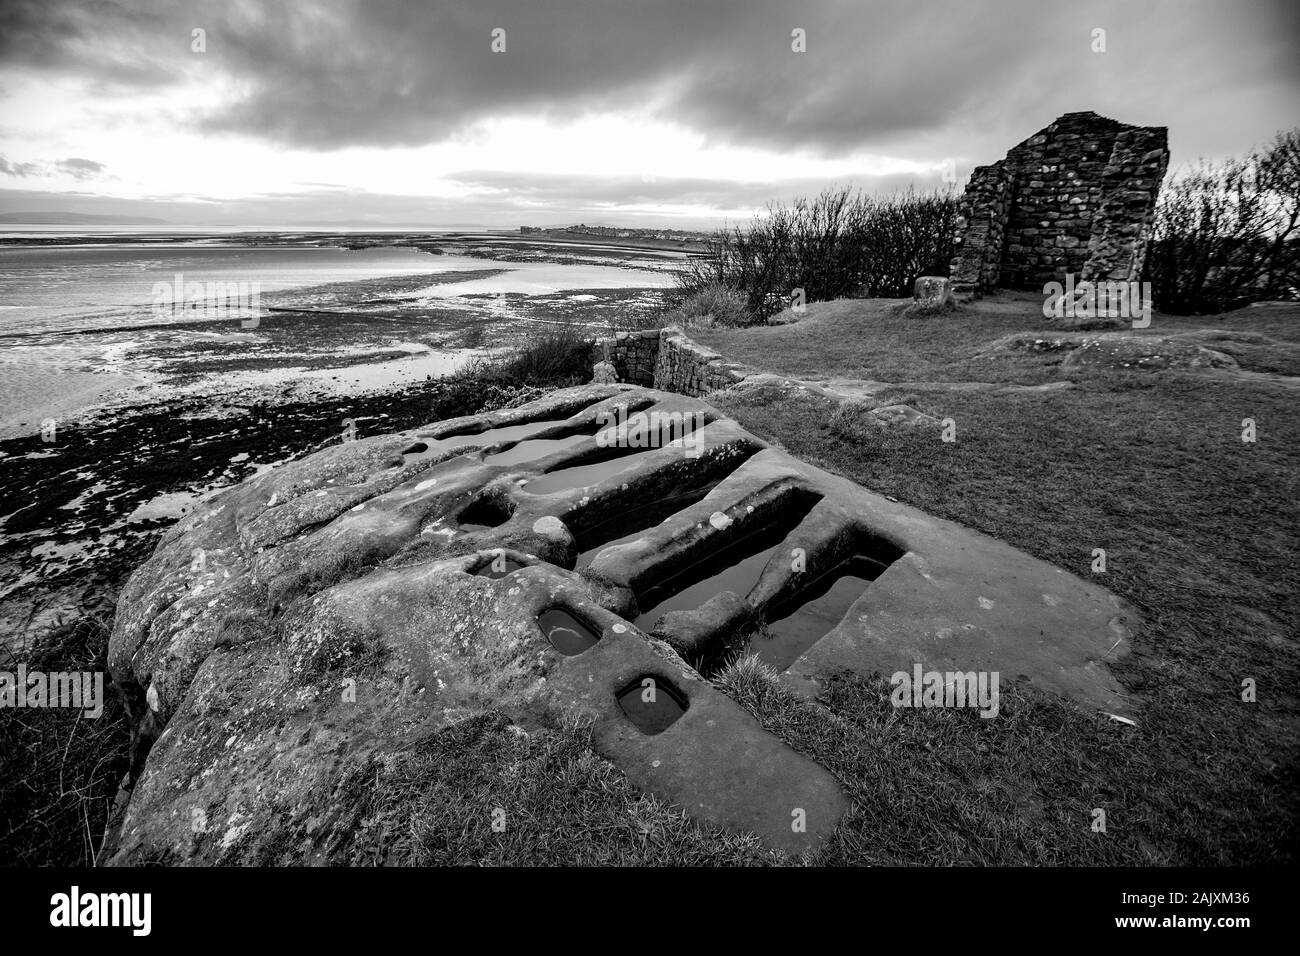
x=1227, y=234
x=59, y=769
x=837, y=245
x=555, y=357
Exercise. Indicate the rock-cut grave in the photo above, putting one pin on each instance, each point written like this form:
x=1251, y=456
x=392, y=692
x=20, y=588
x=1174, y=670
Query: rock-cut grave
x=540, y=561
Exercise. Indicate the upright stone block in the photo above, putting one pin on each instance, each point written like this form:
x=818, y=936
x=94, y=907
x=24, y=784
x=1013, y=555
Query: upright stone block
x=932, y=292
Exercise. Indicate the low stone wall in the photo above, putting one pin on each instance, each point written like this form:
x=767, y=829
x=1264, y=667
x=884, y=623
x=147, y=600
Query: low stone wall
x=667, y=359
x=688, y=368
x=633, y=355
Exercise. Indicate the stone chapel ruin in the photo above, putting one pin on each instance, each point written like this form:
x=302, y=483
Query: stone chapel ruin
x=1076, y=197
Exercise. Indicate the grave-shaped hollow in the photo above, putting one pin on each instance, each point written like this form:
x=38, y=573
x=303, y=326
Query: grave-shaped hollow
x=628, y=524
x=652, y=703
x=545, y=442
x=618, y=450
x=605, y=517
x=531, y=449
x=631, y=428
x=566, y=633
x=799, y=619
x=498, y=435
x=734, y=565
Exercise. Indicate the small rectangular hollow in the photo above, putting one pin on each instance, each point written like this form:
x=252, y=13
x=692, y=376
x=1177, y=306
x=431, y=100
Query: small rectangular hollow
x=566, y=633
x=484, y=512
x=498, y=566
x=652, y=704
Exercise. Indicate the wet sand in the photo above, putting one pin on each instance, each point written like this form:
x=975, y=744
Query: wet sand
x=29, y=395
x=176, y=411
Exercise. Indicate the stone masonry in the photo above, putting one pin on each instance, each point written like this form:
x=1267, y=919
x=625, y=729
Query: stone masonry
x=633, y=355
x=666, y=359
x=1076, y=197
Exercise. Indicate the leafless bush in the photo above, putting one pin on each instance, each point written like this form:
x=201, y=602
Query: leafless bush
x=1227, y=234
x=839, y=244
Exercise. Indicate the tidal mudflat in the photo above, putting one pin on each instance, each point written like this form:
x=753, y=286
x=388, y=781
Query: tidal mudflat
x=151, y=411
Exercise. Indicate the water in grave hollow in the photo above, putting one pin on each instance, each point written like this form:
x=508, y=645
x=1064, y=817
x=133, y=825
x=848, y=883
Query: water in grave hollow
x=580, y=476
x=739, y=565
x=653, y=715
x=532, y=449
x=584, y=475
x=798, y=624
x=566, y=633
x=494, y=436
x=640, y=519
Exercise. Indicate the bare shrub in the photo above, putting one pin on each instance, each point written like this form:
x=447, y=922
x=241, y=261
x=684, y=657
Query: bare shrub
x=837, y=245
x=1227, y=234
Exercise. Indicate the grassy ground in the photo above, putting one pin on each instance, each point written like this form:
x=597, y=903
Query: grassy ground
x=553, y=800
x=1200, y=529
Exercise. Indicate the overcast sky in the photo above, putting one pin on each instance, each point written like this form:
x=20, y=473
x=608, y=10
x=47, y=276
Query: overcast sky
x=614, y=111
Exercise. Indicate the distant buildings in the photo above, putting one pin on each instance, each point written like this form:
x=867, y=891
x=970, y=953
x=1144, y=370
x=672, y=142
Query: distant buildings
x=615, y=232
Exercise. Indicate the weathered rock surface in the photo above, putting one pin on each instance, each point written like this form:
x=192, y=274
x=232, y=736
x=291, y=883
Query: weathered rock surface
x=784, y=317
x=1202, y=350
x=905, y=415
x=932, y=293
x=326, y=614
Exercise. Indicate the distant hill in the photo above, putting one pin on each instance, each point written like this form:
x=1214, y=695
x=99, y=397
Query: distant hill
x=77, y=219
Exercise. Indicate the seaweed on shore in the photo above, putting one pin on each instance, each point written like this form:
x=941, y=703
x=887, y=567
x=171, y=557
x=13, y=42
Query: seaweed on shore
x=74, y=499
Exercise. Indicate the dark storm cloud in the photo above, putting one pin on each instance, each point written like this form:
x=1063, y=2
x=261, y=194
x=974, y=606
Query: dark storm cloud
x=949, y=76
x=112, y=43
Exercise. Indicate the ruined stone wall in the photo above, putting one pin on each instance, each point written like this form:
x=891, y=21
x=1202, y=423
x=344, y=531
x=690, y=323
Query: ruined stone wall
x=633, y=355
x=691, y=369
x=1130, y=185
x=982, y=215
x=667, y=359
x=1076, y=197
